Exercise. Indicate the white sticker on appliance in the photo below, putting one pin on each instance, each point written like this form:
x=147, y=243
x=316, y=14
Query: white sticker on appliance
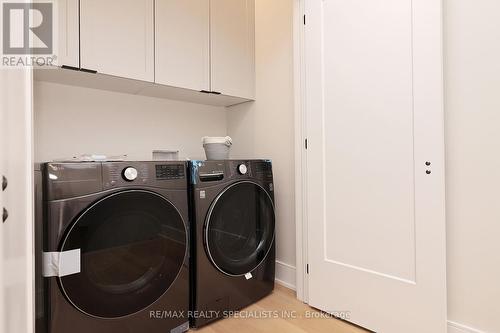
x=248, y=276
x=202, y=194
x=61, y=263
x=184, y=327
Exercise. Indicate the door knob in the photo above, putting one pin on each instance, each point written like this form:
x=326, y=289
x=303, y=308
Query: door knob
x=4, y=183
x=5, y=215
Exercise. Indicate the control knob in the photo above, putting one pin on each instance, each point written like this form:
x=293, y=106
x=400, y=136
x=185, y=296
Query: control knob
x=130, y=174
x=242, y=169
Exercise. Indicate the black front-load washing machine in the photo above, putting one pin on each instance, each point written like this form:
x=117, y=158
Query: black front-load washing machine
x=233, y=248
x=112, y=240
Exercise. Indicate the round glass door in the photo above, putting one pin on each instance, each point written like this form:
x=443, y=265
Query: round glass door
x=240, y=228
x=133, y=245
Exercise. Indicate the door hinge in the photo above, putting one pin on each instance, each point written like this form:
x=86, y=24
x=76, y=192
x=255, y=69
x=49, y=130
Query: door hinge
x=304, y=19
x=307, y=268
x=305, y=143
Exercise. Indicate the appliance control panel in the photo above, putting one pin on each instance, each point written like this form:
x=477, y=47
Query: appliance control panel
x=210, y=171
x=153, y=174
x=170, y=171
x=260, y=169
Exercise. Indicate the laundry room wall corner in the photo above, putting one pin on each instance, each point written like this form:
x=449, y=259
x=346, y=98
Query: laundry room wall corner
x=265, y=128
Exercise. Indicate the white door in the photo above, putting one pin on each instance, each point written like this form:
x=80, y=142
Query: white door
x=182, y=40
x=117, y=37
x=232, y=29
x=16, y=229
x=375, y=163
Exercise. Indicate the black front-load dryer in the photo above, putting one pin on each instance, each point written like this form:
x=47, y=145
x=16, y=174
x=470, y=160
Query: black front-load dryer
x=112, y=241
x=233, y=249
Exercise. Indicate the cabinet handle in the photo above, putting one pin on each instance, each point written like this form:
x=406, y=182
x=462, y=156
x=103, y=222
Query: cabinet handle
x=4, y=183
x=5, y=215
x=70, y=68
x=210, y=92
x=91, y=71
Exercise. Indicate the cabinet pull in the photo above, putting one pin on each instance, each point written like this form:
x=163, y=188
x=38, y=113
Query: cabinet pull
x=70, y=68
x=5, y=183
x=216, y=93
x=91, y=71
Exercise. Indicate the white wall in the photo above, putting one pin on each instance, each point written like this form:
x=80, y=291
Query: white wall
x=74, y=120
x=265, y=128
x=472, y=87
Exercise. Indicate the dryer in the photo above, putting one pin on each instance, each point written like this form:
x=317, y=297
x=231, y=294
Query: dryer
x=112, y=240
x=233, y=228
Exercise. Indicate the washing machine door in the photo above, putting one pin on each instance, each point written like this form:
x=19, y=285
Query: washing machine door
x=239, y=229
x=133, y=246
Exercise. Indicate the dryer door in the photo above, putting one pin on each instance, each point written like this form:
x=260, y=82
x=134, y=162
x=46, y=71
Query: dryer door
x=239, y=230
x=133, y=245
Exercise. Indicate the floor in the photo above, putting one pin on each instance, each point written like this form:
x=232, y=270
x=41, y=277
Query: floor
x=290, y=315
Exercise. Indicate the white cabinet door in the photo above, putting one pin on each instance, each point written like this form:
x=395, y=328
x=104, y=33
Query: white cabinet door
x=117, y=37
x=182, y=43
x=233, y=47
x=375, y=163
x=68, y=37
x=16, y=232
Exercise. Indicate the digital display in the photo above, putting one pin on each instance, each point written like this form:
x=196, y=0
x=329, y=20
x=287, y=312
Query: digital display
x=170, y=171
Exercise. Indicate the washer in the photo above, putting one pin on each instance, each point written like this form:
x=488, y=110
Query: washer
x=112, y=247
x=233, y=249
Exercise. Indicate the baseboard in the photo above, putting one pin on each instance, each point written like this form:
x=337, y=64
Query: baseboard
x=454, y=327
x=285, y=275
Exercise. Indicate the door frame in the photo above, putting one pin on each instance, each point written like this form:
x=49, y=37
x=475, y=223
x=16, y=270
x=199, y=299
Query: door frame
x=23, y=200
x=301, y=225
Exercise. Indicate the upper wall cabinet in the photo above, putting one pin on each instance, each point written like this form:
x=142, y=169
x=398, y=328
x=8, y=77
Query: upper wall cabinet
x=68, y=28
x=172, y=49
x=232, y=25
x=182, y=43
x=117, y=37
